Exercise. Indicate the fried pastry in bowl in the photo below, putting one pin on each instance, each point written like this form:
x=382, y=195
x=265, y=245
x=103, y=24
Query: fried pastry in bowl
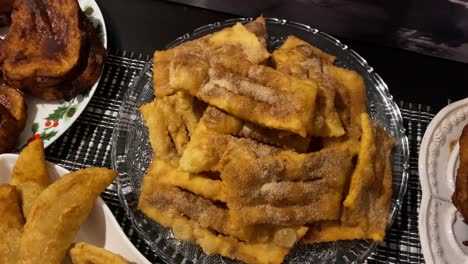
x=227, y=164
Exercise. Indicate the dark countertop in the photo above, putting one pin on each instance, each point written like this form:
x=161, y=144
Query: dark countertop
x=142, y=26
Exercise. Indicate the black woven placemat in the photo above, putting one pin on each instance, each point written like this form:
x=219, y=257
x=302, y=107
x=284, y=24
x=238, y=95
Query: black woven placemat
x=87, y=143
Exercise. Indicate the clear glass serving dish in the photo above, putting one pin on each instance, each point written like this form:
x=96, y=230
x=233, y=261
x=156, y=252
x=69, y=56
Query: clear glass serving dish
x=131, y=152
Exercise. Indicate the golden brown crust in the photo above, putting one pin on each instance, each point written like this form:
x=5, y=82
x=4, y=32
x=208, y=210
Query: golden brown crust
x=83, y=253
x=224, y=123
x=252, y=92
x=68, y=201
x=351, y=103
x=30, y=174
x=271, y=186
x=11, y=224
x=460, y=195
x=300, y=59
x=171, y=123
x=247, y=42
x=367, y=204
x=194, y=217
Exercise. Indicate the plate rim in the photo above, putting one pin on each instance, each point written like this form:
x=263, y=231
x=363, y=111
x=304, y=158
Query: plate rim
x=426, y=194
x=382, y=88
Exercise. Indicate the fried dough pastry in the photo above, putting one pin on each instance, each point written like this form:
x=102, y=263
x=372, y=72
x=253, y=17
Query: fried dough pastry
x=224, y=123
x=51, y=50
x=265, y=186
x=83, y=253
x=201, y=184
x=43, y=32
x=247, y=42
x=293, y=42
x=351, y=103
x=89, y=71
x=301, y=60
x=9, y=130
x=460, y=195
x=199, y=219
x=14, y=102
x=206, y=147
x=217, y=128
x=251, y=92
x=367, y=204
x=11, y=224
x=69, y=201
x=30, y=174
x=171, y=122
x=12, y=117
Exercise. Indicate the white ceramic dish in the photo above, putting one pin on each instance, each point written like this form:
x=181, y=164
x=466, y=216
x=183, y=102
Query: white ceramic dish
x=49, y=120
x=441, y=227
x=100, y=229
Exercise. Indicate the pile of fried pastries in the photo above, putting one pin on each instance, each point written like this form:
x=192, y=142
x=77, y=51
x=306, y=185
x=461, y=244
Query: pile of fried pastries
x=40, y=219
x=255, y=152
x=51, y=51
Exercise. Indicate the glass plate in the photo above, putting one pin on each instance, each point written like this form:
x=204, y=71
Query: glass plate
x=132, y=154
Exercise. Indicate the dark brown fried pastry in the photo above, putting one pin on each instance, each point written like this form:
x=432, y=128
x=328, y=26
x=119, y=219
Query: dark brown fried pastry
x=12, y=117
x=9, y=130
x=51, y=50
x=13, y=100
x=43, y=33
x=460, y=195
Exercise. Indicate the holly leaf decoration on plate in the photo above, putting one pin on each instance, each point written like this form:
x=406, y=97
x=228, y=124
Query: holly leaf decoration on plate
x=58, y=113
x=35, y=127
x=48, y=135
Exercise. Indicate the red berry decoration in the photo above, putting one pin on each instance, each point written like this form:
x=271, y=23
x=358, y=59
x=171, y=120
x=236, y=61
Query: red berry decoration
x=36, y=136
x=48, y=123
x=56, y=123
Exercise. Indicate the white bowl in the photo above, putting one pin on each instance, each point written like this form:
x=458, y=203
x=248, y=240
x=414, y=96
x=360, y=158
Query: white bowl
x=100, y=229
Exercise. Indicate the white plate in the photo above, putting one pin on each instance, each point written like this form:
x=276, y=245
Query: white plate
x=49, y=120
x=100, y=229
x=441, y=226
